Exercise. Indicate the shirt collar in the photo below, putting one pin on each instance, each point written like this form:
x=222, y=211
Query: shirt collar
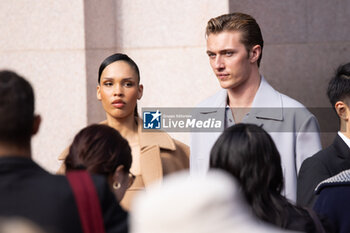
x=345, y=139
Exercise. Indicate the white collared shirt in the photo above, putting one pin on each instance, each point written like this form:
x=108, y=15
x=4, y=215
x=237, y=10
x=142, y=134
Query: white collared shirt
x=345, y=139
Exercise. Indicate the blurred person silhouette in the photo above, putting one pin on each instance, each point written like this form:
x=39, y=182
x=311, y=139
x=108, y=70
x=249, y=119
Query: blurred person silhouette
x=248, y=153
x=186, y=204
x=335, y=158
x=100, y=149
x=26, y=189
x=154, y=154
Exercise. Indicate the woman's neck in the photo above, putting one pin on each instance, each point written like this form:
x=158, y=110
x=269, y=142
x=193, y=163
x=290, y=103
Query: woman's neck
x=127, y=127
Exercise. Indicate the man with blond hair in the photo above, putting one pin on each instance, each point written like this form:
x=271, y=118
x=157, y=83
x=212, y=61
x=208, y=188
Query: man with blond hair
x=234, y=48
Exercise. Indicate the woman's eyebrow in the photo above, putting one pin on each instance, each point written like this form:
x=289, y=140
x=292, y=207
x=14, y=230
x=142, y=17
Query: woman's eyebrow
x=107, y=78
x=112, y=79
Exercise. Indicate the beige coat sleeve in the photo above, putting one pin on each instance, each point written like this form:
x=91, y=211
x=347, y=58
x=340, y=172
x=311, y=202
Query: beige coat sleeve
x=62, y=157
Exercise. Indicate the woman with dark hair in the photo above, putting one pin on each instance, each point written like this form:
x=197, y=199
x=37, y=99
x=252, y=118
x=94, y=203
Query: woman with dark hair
x=248, y=153
x=154, y=154
x=100, y=149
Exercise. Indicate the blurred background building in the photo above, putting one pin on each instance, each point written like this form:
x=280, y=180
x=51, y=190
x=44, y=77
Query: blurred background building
x=59, y=44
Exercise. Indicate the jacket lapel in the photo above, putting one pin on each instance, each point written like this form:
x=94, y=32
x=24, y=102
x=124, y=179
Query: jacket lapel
x=342, y=148
x=267, y=103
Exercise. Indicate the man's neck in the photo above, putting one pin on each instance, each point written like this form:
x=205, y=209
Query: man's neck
x=7, y=149
x=345, y=128
x=243, y=96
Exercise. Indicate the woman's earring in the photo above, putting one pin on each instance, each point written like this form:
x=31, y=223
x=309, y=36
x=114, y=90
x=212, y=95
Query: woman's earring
x=116, y=185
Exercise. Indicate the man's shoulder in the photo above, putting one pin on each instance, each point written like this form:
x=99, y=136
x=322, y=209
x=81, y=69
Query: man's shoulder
x=323, y=156
x=289, y=102
x=296, y=109
x=274, y=95
x=275, y=105
x=16, y=166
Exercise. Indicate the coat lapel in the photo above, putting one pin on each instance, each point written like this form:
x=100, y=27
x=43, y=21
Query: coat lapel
x=341, y=147
x=151, y=144
x=267, y=103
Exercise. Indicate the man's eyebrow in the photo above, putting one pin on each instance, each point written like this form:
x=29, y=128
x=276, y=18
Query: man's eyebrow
x=221, y=51
x=226, y=50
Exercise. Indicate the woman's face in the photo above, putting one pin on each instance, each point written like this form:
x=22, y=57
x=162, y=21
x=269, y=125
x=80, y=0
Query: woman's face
x=119, y=90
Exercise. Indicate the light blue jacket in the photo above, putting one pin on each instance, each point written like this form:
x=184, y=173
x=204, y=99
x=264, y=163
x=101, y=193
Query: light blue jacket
x=293, y=128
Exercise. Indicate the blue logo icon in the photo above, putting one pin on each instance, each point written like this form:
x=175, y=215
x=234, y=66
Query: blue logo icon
x=151, y=120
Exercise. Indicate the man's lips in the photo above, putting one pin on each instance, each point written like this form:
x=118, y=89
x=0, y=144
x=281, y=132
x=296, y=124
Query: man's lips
x=118, y=103
x=222, y=76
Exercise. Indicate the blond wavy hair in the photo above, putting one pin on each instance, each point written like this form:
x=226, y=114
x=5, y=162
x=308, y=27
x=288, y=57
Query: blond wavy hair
x=243, y=23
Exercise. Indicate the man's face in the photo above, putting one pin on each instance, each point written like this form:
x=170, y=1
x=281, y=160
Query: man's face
x=229, y=59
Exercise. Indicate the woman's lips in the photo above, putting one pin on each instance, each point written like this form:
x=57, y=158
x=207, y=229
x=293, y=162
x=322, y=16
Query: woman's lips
x=118, y=103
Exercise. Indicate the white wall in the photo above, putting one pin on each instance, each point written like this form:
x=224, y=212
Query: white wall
x=43, y=40
x=58, y=46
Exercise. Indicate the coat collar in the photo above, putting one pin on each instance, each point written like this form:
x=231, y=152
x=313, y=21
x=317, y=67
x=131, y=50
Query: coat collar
x=341, y=147
x=17, y=163
x=267, y=102
x=343, y=178
x=160, y=138
x=146, y=139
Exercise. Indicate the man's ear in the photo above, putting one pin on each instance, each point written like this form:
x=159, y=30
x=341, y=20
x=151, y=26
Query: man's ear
x=98, y=92
x=341, y=109
x=254, y=53
x=36, y=124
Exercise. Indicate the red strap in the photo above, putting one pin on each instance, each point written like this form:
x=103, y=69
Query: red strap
x=87, y=201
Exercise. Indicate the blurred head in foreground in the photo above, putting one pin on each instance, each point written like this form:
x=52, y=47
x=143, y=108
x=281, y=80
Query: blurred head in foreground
x=194, y=204
x=100, y=149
